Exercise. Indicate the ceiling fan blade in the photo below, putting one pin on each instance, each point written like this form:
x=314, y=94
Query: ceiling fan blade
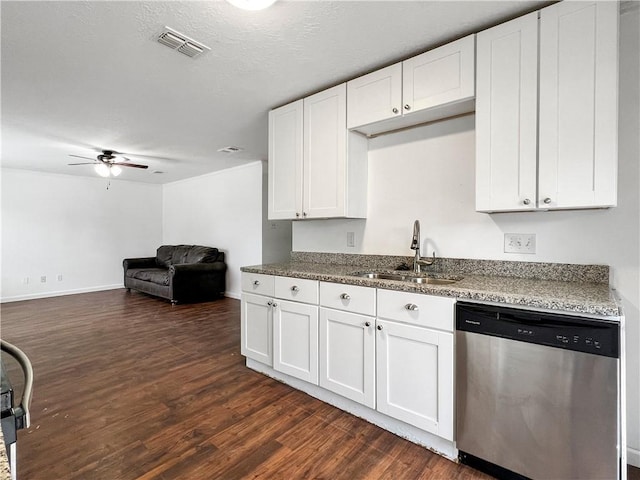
x=134, y=165
x=80, y=156
x=84, y=163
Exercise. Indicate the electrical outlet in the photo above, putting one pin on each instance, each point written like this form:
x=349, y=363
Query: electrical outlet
x=43, y=279
x=519, y=243
x=351, y=239
x=59, y=277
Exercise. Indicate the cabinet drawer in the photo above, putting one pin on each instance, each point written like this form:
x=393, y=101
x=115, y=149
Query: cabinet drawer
x=296, y=289
x=350, y=298
x=257, y=283
x=416, y=309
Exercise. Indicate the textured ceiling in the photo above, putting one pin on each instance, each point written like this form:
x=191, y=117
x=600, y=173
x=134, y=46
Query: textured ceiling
x=82, y=76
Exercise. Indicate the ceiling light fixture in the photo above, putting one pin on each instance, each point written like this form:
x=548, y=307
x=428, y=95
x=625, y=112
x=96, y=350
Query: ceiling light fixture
x=106, y=171
x=252, y=4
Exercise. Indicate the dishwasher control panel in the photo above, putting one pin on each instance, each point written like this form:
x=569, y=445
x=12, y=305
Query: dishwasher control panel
x=580, y=334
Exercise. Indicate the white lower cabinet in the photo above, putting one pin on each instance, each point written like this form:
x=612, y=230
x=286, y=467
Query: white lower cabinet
x=280, y=333
x=387, y=350
x=295, y=340
x=415, y=376
x=256, y=328
x=414, y=360
x=347, y=355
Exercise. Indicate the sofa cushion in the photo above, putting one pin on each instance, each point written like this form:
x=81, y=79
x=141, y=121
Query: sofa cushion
x=168, y=255
x=163, y=255
x=197, y=254
x=159, y=276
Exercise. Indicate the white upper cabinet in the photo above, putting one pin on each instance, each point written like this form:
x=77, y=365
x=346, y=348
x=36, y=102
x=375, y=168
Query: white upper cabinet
x=552, y=144
x=375, y=97
x=317, y=168
x=439, y=77
x=436, y=84
x=285, y=161
x=578, y=105
x=506, y=115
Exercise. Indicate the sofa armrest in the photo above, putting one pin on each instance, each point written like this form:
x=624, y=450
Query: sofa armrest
x=144, y=262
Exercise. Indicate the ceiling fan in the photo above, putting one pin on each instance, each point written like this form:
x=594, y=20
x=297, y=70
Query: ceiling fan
x=108, y=163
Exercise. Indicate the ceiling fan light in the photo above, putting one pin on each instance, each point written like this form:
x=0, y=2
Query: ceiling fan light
x=102, y=170
x=115, y=170
x=252, y=4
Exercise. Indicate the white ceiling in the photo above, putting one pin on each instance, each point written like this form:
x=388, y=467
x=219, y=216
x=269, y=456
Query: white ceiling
x=82, y=76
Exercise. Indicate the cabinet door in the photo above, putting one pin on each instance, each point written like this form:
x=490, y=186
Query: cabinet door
x=440, y=76
x=325, y=142
x=578, y=105
x=255, y=328
x=285, y=161
x=295, y=341
x=415, y=376
x=347, y=355
x=506, y=116
x=374, y=97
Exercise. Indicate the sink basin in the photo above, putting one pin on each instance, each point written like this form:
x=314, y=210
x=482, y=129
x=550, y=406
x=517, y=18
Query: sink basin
x=405, y=278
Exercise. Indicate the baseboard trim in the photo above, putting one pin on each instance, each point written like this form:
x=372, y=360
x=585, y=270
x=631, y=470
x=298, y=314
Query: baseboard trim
x=633, y=457
x=59, y=293
x=232, y=295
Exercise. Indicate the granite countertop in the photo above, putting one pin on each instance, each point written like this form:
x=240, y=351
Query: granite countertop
x=5, y=472
x=567, y=288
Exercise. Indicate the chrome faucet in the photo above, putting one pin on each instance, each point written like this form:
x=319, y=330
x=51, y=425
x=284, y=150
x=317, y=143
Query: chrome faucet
x=419, y=261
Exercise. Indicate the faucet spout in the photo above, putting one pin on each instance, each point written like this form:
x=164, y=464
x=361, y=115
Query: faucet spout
x=415, y=242
x=418, y=261
x=415, y=245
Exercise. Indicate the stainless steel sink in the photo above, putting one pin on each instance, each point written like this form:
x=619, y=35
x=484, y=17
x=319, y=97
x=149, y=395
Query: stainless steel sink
x=405, y=278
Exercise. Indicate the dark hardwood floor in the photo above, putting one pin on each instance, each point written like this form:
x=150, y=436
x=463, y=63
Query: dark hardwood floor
x=129, y=387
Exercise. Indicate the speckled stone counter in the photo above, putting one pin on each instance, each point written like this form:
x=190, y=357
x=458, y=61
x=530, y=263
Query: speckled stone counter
x=582, y=289
x=5, y=472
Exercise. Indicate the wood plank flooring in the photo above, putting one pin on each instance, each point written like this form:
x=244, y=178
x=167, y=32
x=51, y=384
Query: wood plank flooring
x=129, y=387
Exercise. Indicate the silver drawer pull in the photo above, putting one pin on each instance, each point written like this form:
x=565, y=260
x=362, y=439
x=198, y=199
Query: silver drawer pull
x=345, y=296
x=412, y=307
x=379, y=327
x=256, y=283
x=295, y=288
x=367, y=324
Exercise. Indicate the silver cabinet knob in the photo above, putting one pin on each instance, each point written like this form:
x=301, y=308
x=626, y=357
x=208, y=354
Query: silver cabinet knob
x=407, y=107
x=379, y=327
x=304, y=214
x=256, y=283
x=526, y=201
x=297, y=214
x=270, y=303
x=547, y=200
x=295, y=288
x=411, y=307
x=345, y=296
x=395, y=110
x=367, y=324
x=274, y=304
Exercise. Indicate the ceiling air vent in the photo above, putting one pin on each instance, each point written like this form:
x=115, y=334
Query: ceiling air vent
x=230, y=149
x=181, y=43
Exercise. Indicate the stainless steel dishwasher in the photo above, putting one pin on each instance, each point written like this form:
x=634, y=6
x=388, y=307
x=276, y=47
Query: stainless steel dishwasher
x=537, y=394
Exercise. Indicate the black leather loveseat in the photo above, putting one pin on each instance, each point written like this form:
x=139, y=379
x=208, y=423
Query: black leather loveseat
x=180, y=273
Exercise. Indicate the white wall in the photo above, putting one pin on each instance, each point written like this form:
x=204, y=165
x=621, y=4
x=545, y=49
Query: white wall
x=428, y=174
x=276, y=234
x=221, y=210
x=72, y=226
